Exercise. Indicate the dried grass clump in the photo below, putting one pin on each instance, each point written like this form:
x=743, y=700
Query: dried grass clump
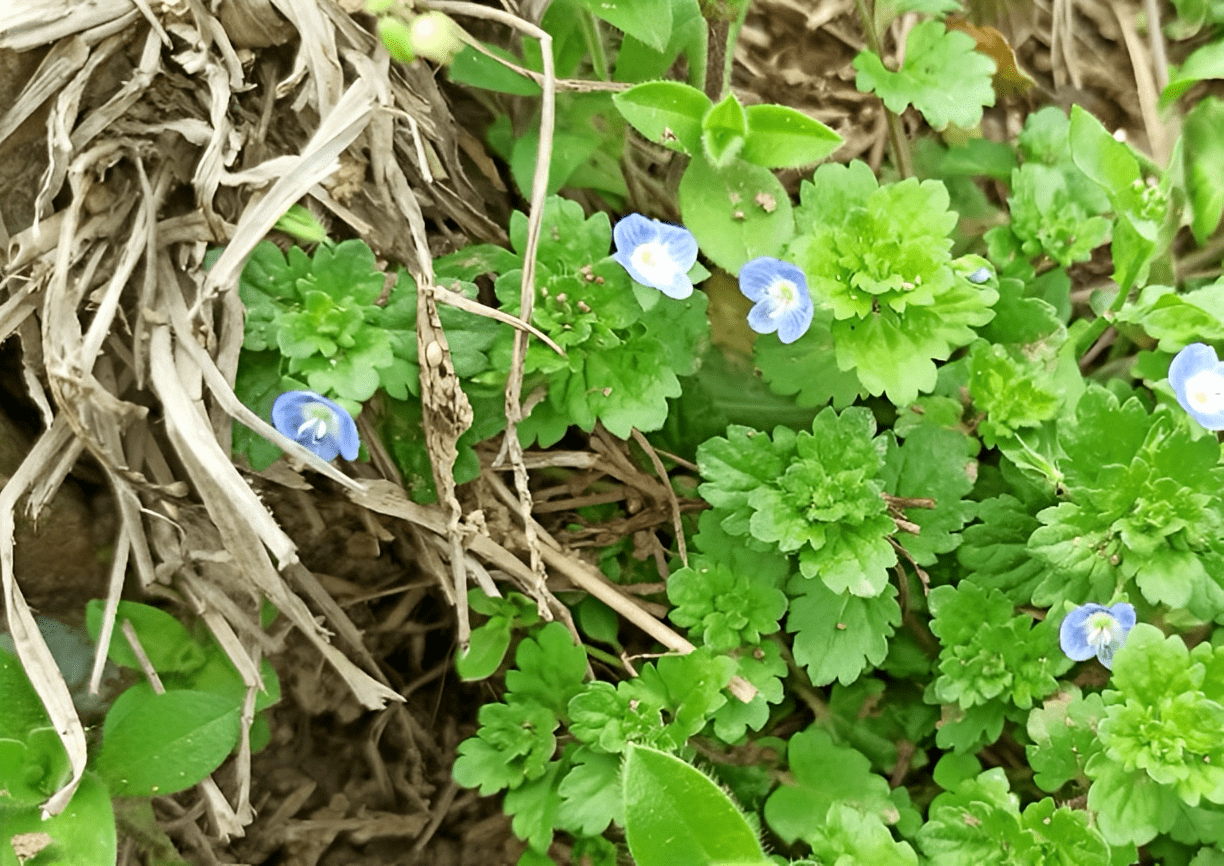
x=139, y=134
x=170, y=128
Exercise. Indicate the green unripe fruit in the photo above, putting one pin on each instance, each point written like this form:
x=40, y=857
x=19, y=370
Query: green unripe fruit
x=397, y=36
x=435, y=36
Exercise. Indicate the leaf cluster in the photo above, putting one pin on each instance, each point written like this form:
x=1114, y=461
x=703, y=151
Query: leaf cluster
x=879, y=258
x=624, y=348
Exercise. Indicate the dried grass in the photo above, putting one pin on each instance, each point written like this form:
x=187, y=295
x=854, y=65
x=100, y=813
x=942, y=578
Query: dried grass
x=172, y=128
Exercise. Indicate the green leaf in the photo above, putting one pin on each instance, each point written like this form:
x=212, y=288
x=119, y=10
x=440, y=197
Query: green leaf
x=636, y=61
x=837, y=636
x=166, y=743
x=1130, y=807
x=782, y=137
x=676, y=816
x=488, y=647
x=1102, y=157
x=164, y=639
x=515, y=744
x=737, y=213
x=824, y=775
x=1206, y=62
x=83, y=833
x=722, y=131
x=1064, y=735
x=995, y=550
x=849, y=836
x=476, y=69
x=666, y=112
x=807, y=367
x=591, y=793
x=933, y=463
x=943, y=76
x=21, y=710
x=647, y=20
x=549, y=669
x=880, y=259
x=536, y=807
x=1204, y=165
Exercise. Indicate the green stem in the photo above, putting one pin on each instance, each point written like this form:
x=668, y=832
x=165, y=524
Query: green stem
x=898, y=143
x=594, y=40
x=1098, y=325
x=724, y=20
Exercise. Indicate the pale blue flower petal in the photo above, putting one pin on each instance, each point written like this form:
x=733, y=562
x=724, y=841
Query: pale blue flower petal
x=1093, y=629
x=656, y=254
x=1197, y=378
x=317, y=423
x=783, y=303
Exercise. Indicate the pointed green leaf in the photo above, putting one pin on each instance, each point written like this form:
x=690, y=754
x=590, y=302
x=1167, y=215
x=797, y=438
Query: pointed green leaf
x=676, y=816
x=665, y=112
x=722, y=131
x=781, y=137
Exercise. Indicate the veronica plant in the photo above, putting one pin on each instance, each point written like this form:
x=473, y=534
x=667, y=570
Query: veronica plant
x=879, y=259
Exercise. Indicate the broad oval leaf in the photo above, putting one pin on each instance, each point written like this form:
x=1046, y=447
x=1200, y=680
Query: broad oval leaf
x=166, y=743
x=666, y=112
x=676, y=816
x=647, y=20
x=1205, y=165
x=737, y=213
x=164, y=639
x=781, y=137
x=83, y=833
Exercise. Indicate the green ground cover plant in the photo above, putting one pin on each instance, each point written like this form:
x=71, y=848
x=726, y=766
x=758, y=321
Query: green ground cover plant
x=954, y=595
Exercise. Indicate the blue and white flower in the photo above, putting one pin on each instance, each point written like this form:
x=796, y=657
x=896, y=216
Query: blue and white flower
x=1197, y=377
x=656, y=254
x=312, y=420
x=1095, y=630
x=782, y=300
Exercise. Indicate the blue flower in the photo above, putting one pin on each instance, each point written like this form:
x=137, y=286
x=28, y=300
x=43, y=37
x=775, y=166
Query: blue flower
x=656, y=254
x=1093, y=629
x=1197, y=377
x=782, y=300
x=312, y=420
x=979, y=276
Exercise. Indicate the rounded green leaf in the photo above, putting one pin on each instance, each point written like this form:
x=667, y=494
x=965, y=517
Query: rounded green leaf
x=165, y=640
x=737, y=213
x=676, y=816
x=666, y=112
x=166, y=743
x=487, y=649
x=1205, y=165
x=83, y=833
x=781, y=137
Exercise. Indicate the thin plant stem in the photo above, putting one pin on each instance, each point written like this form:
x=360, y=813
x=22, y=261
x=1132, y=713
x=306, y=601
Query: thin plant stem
x=898, y=143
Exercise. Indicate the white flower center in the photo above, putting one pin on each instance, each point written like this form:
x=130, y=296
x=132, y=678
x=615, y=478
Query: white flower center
x=1100, y=629
x=1205, y=392
x=317, y=419
x=783, y=297
x=653, y=262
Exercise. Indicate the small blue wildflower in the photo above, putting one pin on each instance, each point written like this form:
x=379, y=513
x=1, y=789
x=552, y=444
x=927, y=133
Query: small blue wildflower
x=312, y=420
x=979, y=276
x=782, y=300
x=1093, y=629
x=1197, y=377
x=656, y=254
